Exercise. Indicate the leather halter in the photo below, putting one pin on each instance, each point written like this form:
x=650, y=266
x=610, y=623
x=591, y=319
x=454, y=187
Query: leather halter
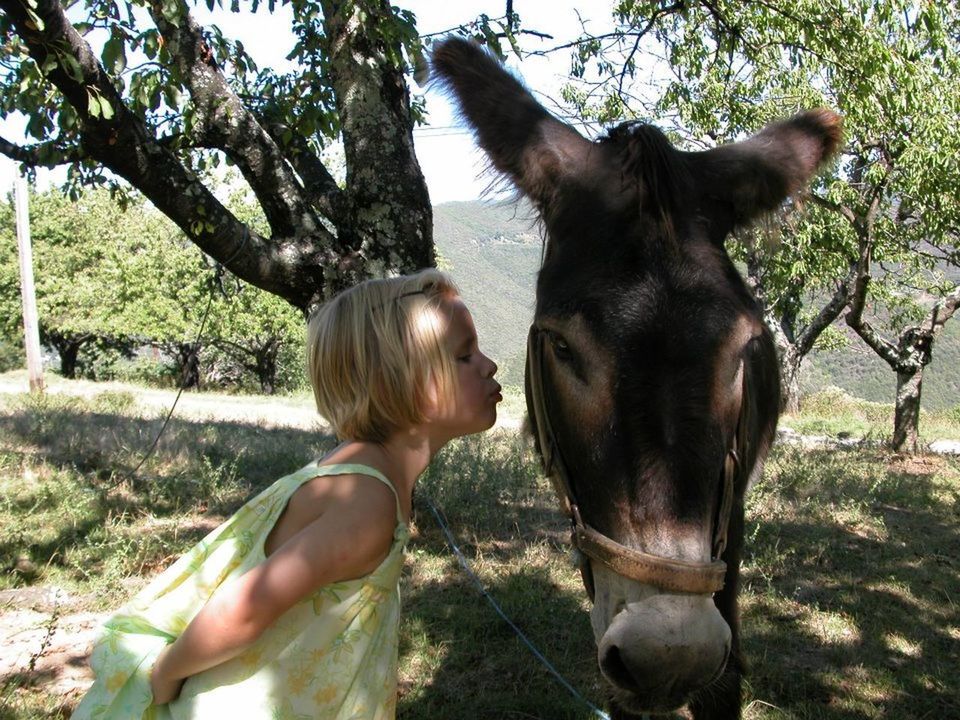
x=666, y=573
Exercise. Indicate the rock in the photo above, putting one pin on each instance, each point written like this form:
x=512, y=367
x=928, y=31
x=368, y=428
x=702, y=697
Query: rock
x=786, y=434
x=945, y=447
x=40, y=598
x=25, y=568
x=58, y=647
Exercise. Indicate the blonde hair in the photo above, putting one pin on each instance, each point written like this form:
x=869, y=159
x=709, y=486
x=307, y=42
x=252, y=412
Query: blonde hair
x=376, y=355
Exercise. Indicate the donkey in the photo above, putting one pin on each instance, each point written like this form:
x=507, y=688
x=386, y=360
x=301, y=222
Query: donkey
x=652, y=381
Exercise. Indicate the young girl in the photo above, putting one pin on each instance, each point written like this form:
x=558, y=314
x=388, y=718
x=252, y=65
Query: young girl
x=290, y=609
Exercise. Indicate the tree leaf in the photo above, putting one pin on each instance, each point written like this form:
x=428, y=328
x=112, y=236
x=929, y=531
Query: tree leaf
x=93, y=105
x=114, y=55
x=151, y=44
x=106, y=109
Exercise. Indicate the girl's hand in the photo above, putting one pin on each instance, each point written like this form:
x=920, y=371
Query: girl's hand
x=165, y=689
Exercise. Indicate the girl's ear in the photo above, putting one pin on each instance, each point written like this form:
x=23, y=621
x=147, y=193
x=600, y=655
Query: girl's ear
x=431, y=406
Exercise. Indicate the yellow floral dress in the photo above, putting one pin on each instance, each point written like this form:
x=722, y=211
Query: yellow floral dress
x=331, y=656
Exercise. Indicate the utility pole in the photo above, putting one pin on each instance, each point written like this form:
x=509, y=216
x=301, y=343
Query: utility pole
x=31, y=328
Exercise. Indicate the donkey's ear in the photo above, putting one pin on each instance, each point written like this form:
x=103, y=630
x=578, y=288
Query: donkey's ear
x=756, y=175
x=534, y=149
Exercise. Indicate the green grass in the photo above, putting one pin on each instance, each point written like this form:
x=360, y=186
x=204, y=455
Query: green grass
x=851, y=576
x=835, y=413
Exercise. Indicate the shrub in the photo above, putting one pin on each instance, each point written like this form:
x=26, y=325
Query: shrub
x=11, y=355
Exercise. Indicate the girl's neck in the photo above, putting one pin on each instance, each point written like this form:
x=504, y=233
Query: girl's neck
x=402, y=457
x=407, y=453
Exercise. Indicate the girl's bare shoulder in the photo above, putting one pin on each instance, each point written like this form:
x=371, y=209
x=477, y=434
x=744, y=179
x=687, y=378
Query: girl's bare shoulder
x=342, y=494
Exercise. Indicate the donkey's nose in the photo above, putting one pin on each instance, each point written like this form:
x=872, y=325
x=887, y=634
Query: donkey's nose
x=665, y=647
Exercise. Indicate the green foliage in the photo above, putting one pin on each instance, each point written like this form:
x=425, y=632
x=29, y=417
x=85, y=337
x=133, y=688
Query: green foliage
x=291, y=365
x=89, y=268
x=12, y=355
x=125, y=276
x=147, y=371
x=302, y=99
x=832, y=339
x=954, y=414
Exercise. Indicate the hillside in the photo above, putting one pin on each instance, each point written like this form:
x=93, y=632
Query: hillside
x=493, y=252
x=859, y=371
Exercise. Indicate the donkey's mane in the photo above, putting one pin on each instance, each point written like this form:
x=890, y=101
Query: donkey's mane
x=648, y=158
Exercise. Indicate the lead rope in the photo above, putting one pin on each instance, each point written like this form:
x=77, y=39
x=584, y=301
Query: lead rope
x=483, y=591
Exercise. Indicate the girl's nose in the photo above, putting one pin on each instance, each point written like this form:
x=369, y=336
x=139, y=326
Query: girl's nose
x=493, y=367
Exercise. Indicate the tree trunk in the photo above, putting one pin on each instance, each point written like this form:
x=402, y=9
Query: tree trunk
x=68, y=359
x=267, y=368
x=68, y=347
x=906, y=417
x=790, y=361
x=188, y=364
x=789, y=357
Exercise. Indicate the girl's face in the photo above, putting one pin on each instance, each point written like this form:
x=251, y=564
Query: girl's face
x=475, y=408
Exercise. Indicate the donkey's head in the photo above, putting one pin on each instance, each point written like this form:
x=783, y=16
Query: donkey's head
x=654, y=368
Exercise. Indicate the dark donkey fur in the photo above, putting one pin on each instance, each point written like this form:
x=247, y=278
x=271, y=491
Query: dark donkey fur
x=652, y=337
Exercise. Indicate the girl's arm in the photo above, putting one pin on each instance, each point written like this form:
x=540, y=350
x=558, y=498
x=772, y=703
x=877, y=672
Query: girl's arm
x=348, y=540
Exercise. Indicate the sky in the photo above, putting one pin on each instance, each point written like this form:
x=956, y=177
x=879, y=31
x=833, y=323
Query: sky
x=450, y=160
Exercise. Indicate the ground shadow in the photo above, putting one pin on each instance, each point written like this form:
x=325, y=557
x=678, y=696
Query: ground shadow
x=898, y=654
x=204, y=469
x=484, y=670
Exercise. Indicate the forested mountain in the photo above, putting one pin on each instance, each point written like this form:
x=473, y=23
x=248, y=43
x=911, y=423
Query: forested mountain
x=493, y=252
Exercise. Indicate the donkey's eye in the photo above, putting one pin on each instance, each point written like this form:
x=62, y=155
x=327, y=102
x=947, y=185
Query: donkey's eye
x=560, y=348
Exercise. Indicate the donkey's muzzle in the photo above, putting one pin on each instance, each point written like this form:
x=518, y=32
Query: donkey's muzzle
x=664, y=648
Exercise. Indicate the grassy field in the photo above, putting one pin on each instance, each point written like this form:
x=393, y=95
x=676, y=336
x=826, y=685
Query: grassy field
x=852, y=575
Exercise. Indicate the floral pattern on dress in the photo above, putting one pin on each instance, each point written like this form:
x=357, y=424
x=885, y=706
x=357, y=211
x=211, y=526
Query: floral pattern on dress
x=332, y=656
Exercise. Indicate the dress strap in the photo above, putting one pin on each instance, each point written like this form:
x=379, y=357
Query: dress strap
x=360, y=469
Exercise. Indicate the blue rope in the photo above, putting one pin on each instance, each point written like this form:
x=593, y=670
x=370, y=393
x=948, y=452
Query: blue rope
x=476, y=581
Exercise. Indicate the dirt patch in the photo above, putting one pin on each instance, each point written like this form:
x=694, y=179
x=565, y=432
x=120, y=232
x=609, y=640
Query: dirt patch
x=917, y=464
x=48, y=649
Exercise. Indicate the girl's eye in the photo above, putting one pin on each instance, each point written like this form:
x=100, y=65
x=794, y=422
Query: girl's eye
x=464, y=358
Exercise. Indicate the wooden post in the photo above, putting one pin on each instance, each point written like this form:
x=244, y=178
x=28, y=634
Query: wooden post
x=31, y=328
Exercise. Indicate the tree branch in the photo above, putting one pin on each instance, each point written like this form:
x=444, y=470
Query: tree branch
x=48, y=154
x=842, y=210
x=941, y=313
x=291, y=267
x=319, y=185
x=224, y=122
x=883, y=347
x=829, y=312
